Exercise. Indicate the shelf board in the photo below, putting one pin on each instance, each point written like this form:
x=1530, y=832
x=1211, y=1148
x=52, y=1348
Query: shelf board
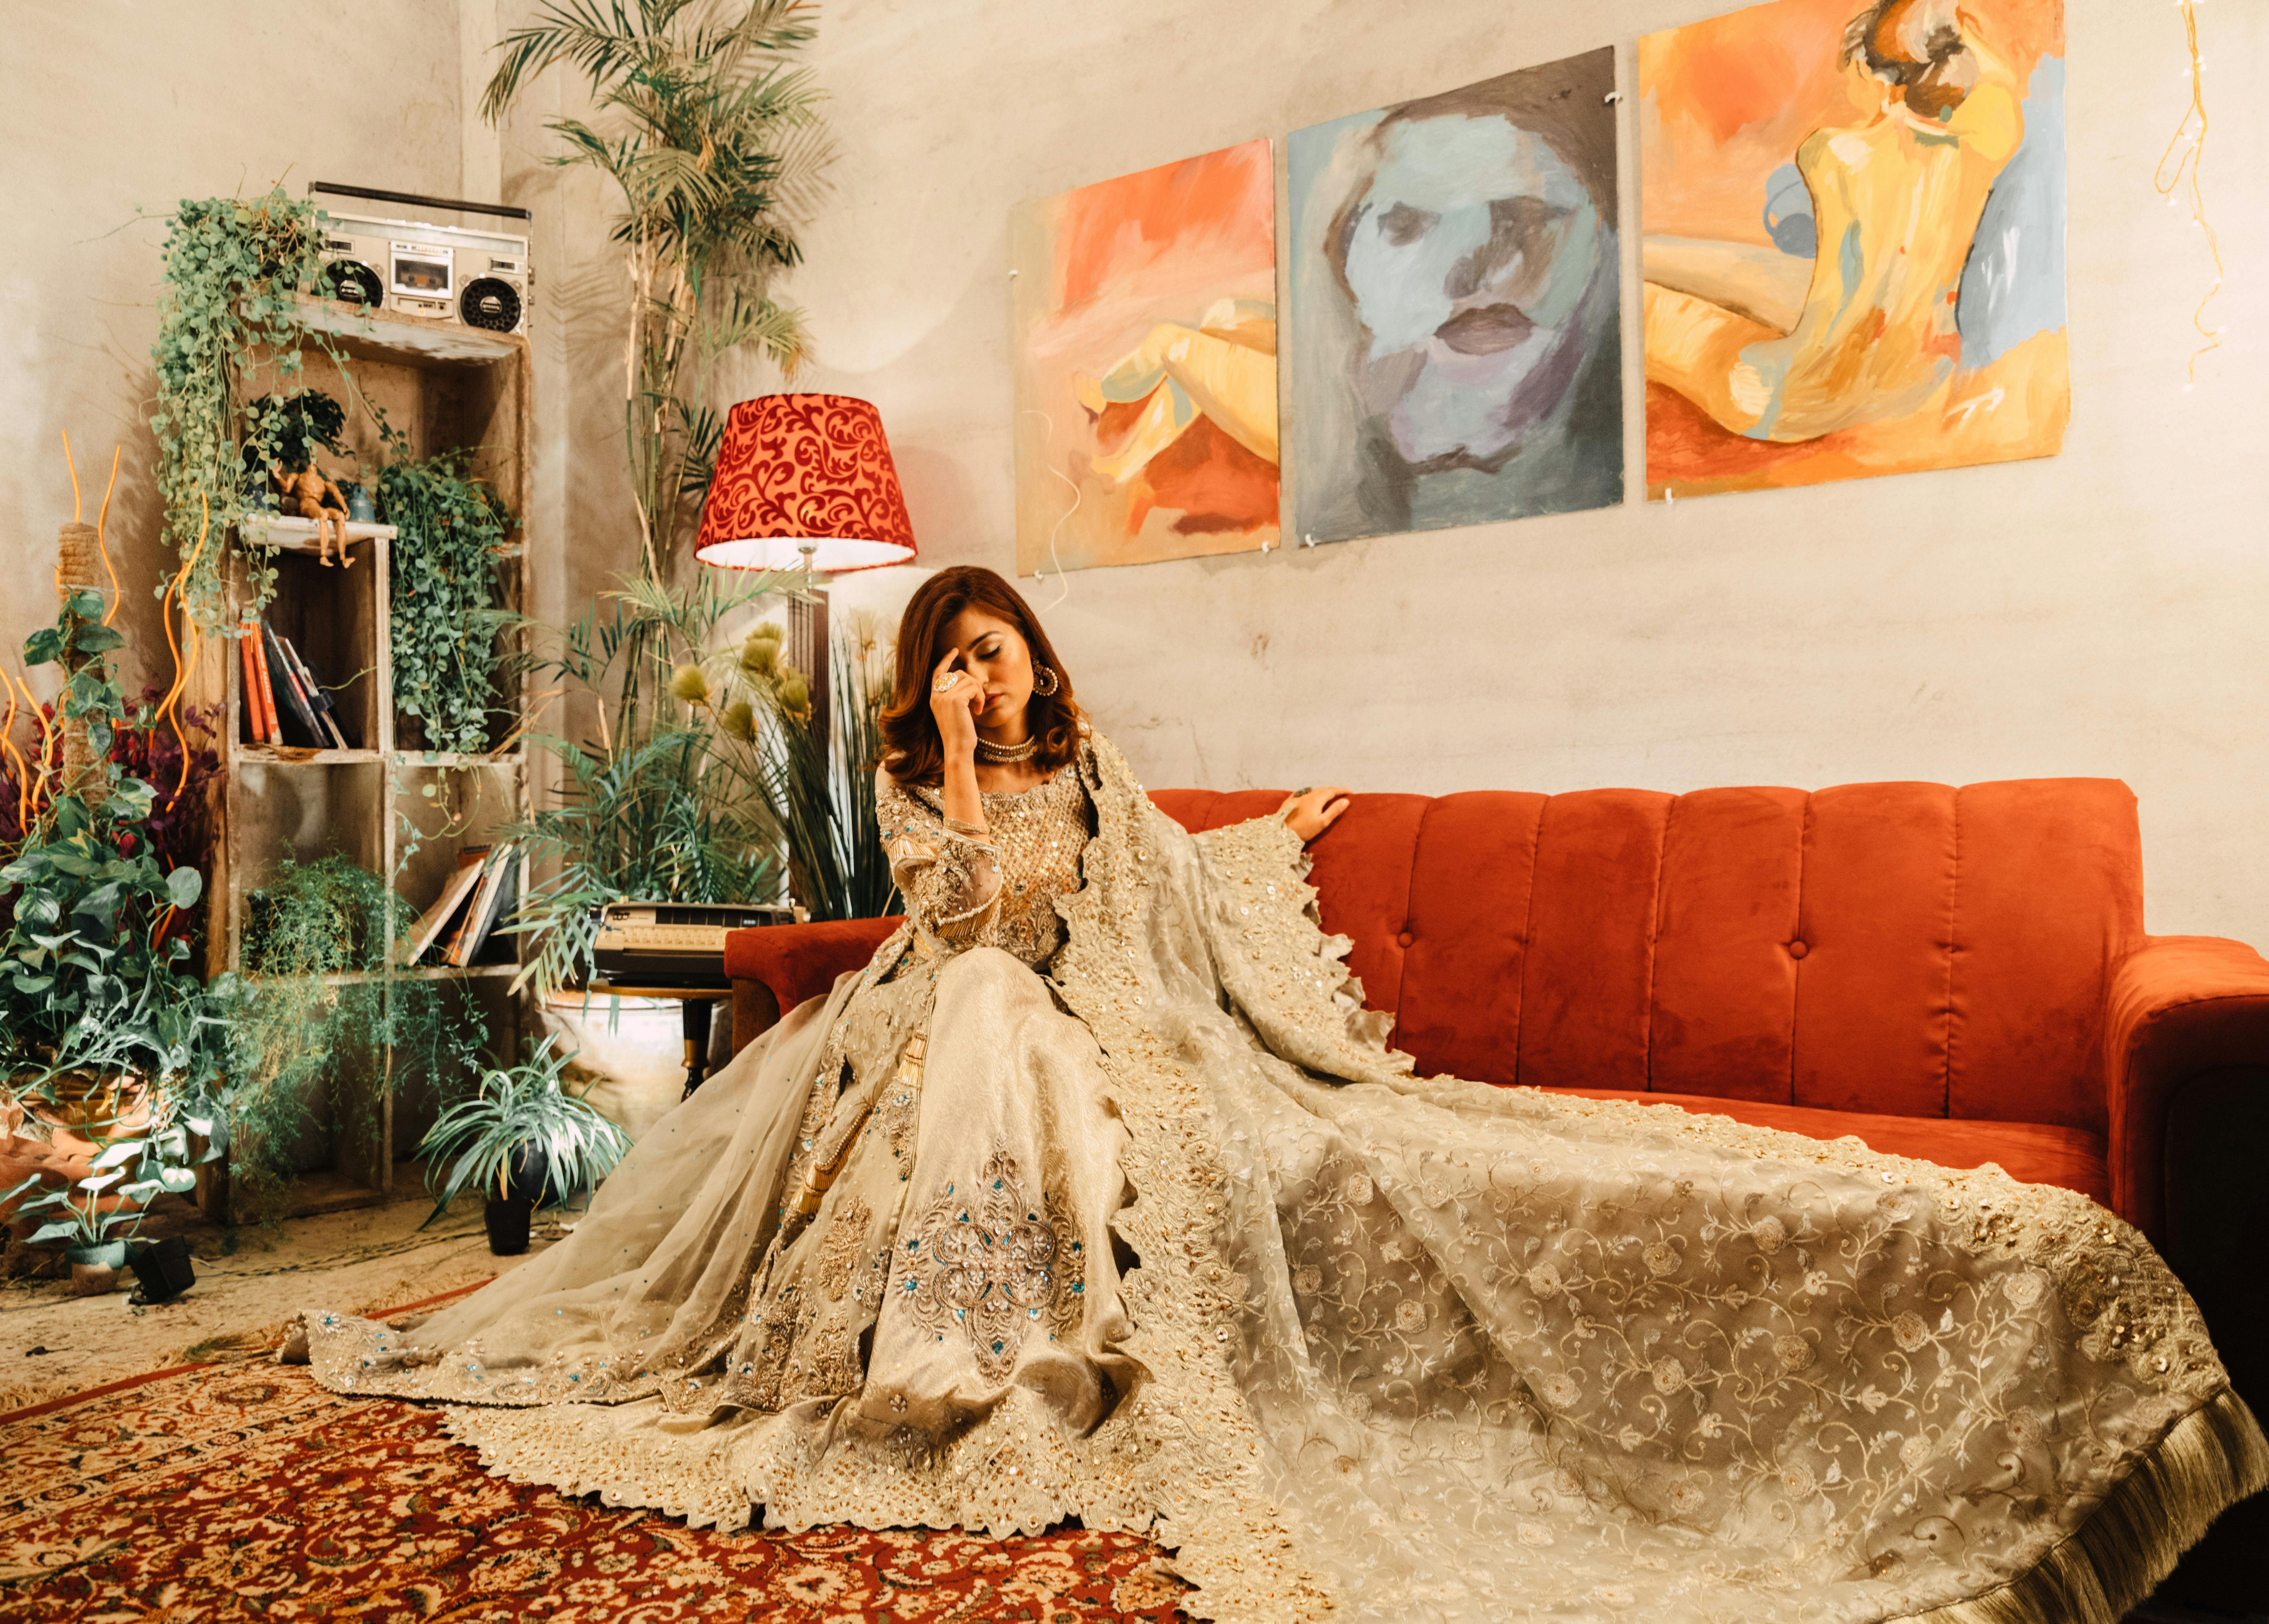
x=426, y=972
x=460, y=758
x=388, y=336
x=297, y=756
x=294, y=535
x=423, y=972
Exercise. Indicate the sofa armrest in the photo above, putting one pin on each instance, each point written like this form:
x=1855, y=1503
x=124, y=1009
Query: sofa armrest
x=792, y=963
x=2177, y=1009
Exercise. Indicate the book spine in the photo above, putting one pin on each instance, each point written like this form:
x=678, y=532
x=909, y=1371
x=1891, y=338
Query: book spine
x=487, y=901
x=255, y=722
x=288, y=690
x=271, y=729
x=326, y=712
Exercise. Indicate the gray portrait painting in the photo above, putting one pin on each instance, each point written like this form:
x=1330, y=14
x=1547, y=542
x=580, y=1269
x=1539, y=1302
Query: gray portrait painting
x=1455, y=345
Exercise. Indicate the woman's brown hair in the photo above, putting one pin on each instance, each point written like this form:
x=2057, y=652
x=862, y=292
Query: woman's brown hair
x=913, y=753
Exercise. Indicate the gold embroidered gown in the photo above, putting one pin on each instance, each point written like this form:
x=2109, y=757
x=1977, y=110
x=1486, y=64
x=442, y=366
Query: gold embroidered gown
x=1097, y=1193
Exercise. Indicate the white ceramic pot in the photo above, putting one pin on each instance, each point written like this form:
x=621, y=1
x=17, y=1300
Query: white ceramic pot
x=633, y=1052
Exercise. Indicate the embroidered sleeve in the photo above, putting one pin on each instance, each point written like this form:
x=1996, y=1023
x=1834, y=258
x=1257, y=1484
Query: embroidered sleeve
x=949, y=872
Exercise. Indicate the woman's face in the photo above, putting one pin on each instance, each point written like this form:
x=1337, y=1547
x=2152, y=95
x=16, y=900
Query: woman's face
x=1476, y=295
x=996, y=653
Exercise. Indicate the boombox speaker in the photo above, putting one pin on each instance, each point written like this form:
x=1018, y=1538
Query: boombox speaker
x=440, y=273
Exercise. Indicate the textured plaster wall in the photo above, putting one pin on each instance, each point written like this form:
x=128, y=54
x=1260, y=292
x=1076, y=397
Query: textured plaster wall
x=2101, y=613
x=107, y=107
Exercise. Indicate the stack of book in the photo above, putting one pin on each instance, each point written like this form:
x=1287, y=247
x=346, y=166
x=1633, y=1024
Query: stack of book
x=284, y=701
x=482, y=892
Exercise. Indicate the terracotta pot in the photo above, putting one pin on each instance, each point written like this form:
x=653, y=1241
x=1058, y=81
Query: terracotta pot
x=55, y=1143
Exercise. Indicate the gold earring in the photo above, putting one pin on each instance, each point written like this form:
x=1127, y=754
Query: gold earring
x=1045, y=681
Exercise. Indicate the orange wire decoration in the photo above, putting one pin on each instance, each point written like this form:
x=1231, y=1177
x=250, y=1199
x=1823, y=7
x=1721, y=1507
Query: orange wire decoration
x=102, y=521
x=2186, y=154
x=169, y=708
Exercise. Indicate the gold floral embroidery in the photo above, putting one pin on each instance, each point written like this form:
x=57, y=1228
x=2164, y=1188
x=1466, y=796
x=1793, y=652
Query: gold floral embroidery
x=983, y=1264
x=840, y=1252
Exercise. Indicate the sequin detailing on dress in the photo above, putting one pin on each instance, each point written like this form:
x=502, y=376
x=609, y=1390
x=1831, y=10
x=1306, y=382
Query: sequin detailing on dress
x=983, y=1266
x=993, y=890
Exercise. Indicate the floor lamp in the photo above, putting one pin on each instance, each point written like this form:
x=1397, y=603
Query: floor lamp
x=805, y=482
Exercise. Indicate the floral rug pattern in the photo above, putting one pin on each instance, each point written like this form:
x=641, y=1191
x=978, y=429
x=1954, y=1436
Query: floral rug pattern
x=245, y=1491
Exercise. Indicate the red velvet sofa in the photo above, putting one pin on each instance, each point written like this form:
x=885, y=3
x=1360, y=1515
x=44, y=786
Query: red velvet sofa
x=1955, y=974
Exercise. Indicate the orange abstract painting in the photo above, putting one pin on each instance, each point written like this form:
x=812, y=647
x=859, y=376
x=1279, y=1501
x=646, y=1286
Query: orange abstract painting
x=1146, y=365
x=1854, y=248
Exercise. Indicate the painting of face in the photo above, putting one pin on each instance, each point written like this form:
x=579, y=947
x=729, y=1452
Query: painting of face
x=1853, y=248
x=1454, y=287
x=1145, y=312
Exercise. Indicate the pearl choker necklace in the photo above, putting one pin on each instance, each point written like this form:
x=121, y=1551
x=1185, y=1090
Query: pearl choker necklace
x=1001, y=754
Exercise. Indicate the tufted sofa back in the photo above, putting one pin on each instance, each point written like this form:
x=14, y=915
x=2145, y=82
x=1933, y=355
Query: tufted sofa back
x=1912, y=950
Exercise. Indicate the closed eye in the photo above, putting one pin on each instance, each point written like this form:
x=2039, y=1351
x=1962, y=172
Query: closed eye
x=1403, y=225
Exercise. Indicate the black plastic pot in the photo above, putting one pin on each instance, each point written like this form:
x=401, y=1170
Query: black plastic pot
x=507, y=1217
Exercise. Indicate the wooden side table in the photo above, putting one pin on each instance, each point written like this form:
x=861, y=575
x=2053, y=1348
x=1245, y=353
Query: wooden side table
x=699, y=1004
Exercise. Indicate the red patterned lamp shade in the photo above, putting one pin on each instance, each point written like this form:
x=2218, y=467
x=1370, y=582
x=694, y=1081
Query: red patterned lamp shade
x=805, y=478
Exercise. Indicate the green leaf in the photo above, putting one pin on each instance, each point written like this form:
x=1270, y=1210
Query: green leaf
x=42, y=646
x=97, y=639
x=60, y=1230
x=183, y=887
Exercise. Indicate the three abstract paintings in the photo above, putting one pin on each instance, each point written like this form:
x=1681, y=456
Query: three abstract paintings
x=1851, y=258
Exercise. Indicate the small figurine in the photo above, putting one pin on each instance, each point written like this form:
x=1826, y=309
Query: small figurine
x=305, y=491
x=288, y=430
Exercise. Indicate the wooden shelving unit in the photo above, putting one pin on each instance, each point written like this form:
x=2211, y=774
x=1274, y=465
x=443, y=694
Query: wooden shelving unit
x=445, y=386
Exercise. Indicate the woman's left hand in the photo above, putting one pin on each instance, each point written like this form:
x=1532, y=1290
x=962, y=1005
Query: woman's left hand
x=1312, y=811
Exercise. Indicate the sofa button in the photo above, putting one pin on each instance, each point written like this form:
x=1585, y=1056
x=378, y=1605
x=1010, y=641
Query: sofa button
x=1406, y=939
x=1797, y=950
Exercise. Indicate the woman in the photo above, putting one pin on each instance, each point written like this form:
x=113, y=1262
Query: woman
x=1097, y=1193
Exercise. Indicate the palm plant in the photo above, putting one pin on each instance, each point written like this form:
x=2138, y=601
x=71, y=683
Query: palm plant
x=705, y=128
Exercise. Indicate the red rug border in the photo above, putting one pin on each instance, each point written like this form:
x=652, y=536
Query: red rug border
x=49, y=1407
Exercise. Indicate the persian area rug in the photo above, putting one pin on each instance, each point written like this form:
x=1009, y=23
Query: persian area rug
x=245, y=1491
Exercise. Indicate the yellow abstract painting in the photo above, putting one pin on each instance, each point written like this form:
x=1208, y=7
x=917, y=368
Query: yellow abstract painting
x=1854, y=240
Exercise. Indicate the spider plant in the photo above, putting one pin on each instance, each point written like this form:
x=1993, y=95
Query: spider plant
x=707, y=132
x=521, y=1114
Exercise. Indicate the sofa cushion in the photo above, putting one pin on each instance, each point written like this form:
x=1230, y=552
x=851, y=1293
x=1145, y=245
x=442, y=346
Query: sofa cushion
x=2036, y=1153
x=1907, y=947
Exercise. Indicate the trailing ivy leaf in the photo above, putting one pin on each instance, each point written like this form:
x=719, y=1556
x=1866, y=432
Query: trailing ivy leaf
x=31, y=986
x=97, y=639
x=184, y=886
x=44, y=646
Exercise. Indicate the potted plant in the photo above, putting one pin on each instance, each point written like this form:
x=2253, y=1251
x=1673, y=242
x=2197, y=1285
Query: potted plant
x=524, y=1140
x=710, y=134
x=105, y=1036
x=650, y=807
x=85, y=1219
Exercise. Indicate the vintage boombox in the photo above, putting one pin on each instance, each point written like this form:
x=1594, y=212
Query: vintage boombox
x=673, y=943
x=443, y=273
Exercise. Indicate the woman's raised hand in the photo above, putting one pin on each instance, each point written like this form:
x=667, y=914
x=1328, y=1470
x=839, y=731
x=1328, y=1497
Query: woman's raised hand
x=1312, y=811
x=954, y=696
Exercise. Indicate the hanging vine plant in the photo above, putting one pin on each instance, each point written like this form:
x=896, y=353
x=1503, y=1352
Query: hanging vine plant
x=232, y=271
x=448, y=528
